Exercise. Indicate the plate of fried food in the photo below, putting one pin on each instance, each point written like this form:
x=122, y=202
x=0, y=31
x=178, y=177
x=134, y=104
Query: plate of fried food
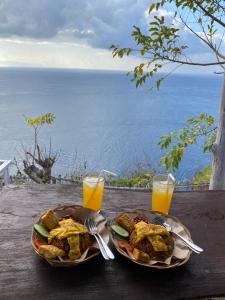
x=136, y=236
x=61, y=238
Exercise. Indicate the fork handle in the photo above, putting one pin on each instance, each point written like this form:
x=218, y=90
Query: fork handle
x=105, y=246
x=102, y=249
x=188, y=243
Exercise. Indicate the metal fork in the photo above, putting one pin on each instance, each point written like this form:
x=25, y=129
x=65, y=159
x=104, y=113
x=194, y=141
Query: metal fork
x=102, y=250
x=189, y=244
x=93, y=228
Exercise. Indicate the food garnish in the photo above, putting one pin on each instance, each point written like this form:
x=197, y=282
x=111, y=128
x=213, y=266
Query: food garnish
x=41, y=230
x=120, y=231
x=125, y=246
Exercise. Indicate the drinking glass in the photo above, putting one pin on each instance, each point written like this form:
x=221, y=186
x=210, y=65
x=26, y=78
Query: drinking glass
x=162, y=192
x=93, y=189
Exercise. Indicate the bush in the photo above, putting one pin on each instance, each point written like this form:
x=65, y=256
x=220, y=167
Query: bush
x=203, y=176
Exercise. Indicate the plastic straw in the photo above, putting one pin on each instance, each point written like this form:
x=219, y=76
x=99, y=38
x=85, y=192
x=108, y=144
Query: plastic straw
x=170, y=177
x=107, y=172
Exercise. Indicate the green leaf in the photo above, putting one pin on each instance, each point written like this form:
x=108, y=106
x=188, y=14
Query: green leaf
x=151, y=8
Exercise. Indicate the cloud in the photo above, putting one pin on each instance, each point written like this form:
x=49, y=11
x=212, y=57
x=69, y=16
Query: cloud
x=97, y=23
x=54, y=31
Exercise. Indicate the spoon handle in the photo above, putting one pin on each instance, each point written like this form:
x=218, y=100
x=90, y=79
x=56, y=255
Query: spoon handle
x=105, y=246
x=188, y=243
x=102, y=249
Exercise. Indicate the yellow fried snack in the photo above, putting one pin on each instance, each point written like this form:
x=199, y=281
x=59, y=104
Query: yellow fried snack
x=143, y=230
x=67, y=223
x=158, y=243
x=49, y=220
x=50, y=251
x=62, y=233
x=141, y=256
x=126, y=222
x=65, y=232
x=74, y=242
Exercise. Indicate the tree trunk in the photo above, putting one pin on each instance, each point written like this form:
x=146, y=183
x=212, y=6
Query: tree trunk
x=217, y=181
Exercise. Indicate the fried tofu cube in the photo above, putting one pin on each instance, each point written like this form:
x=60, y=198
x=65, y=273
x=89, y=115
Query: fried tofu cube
x=50, y=251
x=74, y=243
x=140, y=255
x=126, y=222
x=49, y=220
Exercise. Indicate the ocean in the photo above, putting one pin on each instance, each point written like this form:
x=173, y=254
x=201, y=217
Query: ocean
x=102, y=120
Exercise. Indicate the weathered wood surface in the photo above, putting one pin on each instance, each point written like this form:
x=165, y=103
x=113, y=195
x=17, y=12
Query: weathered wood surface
x=24, y=275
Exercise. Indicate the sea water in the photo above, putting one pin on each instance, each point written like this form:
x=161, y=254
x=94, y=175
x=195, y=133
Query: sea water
x=101, y=118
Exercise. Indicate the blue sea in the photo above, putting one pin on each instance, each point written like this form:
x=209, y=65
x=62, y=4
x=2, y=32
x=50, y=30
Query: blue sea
x=101, y=118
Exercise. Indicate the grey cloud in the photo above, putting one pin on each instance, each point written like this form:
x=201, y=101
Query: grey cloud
x=97, y=22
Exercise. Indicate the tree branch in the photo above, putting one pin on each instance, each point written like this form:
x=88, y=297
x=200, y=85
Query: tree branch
x=209, y=14
x=191, y=63
x=207, y=42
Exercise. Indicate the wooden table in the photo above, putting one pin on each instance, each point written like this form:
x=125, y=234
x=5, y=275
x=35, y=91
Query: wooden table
x=24, y=275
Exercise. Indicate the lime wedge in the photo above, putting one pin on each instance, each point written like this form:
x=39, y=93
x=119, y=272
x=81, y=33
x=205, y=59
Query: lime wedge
x=120, y=230
x=41, y=230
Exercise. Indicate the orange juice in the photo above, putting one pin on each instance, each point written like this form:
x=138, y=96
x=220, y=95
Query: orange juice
x=93, y=188
x=162, y=193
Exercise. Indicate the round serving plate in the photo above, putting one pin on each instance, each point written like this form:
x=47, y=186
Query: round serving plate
x=79, y=213
x=151, y=215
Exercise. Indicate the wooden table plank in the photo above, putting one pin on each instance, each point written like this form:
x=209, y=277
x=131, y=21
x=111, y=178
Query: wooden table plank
x=25, y=276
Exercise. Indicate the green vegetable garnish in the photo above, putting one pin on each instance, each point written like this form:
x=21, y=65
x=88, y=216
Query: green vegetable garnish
x=41, y=230
x=120, y=230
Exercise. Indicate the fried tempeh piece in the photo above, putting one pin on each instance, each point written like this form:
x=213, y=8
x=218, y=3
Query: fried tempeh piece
x=126, y=222
x=50, y=251
x=140, y=256
x=49, y=220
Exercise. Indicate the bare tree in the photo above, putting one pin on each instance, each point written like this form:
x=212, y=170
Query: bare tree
x=39, y=162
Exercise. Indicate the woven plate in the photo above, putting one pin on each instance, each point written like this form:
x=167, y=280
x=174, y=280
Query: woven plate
x=79, y=213
x=151, y=215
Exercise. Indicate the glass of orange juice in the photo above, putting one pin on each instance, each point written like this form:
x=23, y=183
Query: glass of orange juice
x=93, y=189
x=162, y=192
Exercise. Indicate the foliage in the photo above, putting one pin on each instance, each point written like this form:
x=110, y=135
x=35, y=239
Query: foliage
x=48, y=118
x=203, y=176
x=161, y=45
x=37, y=122
x=142, y=180
x=38, y=164
x=179, y=140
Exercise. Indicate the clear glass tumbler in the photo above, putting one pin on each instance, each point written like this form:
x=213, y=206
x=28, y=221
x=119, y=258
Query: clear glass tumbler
x=162, y=192
x=93, y=190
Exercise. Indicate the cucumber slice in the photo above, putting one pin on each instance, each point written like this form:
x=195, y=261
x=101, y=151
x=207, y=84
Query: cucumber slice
x=41, y=230
x=120, y=230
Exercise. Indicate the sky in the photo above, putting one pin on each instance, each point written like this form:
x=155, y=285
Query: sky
x=77, y=33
